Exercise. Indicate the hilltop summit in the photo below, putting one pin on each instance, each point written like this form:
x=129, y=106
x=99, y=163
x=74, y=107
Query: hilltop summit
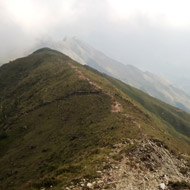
x=67, y=126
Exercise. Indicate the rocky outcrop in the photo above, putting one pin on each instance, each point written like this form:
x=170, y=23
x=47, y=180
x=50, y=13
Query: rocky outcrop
x=140, y=164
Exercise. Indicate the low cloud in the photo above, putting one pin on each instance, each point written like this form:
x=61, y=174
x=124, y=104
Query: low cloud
x=124, y=30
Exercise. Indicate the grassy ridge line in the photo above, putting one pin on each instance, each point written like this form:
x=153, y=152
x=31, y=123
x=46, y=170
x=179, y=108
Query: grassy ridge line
x=53, y=141
x=179, y=119
x=161, y=127
x=158, y=128
x=69, y=139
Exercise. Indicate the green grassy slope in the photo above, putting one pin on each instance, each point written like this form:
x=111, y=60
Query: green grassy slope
x=56, y=126
x=175, y=117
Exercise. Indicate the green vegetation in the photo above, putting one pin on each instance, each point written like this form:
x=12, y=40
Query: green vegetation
x=56, y=127
x=177, y=118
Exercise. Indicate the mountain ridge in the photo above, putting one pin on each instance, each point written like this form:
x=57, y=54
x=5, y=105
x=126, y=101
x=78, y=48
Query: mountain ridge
x=60, y=122
x=146, y=81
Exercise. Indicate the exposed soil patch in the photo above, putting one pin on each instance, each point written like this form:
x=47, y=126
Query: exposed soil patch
x=116, y=107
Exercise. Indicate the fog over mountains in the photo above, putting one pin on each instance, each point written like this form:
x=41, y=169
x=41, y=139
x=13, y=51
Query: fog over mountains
x=148, y=82
x=142, y=34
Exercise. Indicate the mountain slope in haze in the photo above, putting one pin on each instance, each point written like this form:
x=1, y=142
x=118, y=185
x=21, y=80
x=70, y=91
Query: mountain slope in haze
x=146, y=81
x=64, y=125
x=182, y=82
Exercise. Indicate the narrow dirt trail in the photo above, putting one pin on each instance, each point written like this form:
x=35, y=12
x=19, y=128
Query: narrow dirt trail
x=116, y=106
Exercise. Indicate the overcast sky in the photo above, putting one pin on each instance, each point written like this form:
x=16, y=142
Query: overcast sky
x=153, y=35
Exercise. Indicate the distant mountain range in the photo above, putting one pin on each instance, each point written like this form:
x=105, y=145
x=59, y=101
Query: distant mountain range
x=152, y=84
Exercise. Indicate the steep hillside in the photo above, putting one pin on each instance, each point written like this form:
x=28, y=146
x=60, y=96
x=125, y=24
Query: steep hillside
x=148, y=82
x=64, y=126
